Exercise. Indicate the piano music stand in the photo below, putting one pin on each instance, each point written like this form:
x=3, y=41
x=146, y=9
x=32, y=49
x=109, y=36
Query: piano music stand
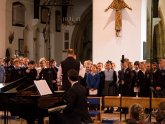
x=42, y=87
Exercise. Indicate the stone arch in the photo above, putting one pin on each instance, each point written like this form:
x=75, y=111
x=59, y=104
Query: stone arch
x=78, y=41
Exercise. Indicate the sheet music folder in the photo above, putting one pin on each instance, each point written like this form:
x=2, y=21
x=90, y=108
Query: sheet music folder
x=43, y=87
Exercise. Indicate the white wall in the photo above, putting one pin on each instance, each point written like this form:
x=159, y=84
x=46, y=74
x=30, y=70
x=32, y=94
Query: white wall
x=106, y=46
x=143, y=24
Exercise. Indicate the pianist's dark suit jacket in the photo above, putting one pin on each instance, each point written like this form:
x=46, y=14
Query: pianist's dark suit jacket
x=76, y=110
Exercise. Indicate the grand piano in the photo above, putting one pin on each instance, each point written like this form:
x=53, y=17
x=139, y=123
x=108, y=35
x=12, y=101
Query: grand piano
x=22, y=99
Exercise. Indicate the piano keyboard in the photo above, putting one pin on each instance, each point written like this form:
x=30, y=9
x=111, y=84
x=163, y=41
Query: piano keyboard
x=56, y=109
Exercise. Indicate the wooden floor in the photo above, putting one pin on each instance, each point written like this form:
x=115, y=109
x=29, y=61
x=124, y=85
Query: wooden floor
x=104, y=116
x=116, y=116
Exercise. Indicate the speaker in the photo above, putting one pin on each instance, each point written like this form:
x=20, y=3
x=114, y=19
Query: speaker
x=36, y=9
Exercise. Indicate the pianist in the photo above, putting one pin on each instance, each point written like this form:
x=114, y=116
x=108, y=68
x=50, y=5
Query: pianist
x=76, y=110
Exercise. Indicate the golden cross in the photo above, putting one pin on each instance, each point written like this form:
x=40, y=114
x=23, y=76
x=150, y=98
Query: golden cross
x=118, y=5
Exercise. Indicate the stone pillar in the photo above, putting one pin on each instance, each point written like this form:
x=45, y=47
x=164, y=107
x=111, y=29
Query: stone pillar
x=52, y=46
x=41, y=43
x=155, y=29
x=29, y=43
x=155, y=40
x=3, y=28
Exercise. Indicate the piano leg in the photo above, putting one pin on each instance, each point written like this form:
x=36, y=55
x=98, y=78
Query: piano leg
x=39, y=121
x=57, y=118
x=5, y=117
x=30, y=121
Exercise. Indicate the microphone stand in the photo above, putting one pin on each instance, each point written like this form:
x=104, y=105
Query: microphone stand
x=122, y=60
x=150, y=104
x=121, y=103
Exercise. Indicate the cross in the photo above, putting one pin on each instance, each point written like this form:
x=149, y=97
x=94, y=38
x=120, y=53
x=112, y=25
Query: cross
x=118, y=5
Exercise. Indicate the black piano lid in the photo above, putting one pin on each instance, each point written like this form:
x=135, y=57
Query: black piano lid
x=5, y=87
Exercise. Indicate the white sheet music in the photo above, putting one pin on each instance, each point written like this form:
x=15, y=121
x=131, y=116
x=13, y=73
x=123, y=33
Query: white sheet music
x=42, y=87
x=136, y=89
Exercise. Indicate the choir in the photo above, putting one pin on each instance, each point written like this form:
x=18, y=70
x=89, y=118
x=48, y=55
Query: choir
x=133, y=79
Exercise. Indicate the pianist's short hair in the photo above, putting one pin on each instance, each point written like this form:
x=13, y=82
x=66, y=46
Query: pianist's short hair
x=73, y=75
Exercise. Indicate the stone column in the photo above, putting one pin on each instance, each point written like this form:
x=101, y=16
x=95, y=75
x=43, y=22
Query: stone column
x=3, y=28
x=29, y=43
x=40, y=43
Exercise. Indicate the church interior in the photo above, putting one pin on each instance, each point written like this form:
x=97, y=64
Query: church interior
x=76, y=26
x=101, y=31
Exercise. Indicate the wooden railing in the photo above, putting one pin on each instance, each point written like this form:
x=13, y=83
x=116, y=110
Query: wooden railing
x=114, y=101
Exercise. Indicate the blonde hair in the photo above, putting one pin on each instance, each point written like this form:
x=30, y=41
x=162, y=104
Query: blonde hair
x=87, y=63
x=137, y=112
x=70, y=51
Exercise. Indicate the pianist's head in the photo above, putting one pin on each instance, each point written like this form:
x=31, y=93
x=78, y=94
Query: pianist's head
x=72, y=75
